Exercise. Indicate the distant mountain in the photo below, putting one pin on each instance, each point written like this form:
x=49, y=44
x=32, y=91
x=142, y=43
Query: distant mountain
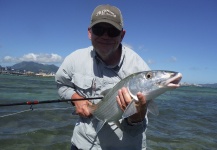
x=35, y=67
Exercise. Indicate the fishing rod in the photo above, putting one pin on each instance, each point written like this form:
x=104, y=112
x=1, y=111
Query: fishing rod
x=35, y=102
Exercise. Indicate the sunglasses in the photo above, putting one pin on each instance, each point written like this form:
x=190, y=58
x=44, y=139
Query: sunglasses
x=111, y=31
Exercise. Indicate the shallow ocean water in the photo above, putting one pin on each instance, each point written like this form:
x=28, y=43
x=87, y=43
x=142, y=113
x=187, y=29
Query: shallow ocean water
x=187, y=117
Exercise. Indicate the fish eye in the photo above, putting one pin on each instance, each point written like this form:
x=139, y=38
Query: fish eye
x=149, y=75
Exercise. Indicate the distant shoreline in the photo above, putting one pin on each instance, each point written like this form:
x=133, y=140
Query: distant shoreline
x=26, y=74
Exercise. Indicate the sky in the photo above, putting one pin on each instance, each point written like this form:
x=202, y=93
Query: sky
x=176, y=35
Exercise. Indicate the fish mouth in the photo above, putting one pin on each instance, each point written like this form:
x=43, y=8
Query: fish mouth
x=174, y=81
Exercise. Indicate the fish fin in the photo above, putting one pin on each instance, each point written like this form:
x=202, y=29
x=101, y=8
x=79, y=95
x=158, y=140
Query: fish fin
x=153, y=108
x=130, y=110
x=100, y=124
x=105, y=92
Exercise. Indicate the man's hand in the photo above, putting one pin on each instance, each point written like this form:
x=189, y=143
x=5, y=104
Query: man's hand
x=81, y=106
x=124, y=100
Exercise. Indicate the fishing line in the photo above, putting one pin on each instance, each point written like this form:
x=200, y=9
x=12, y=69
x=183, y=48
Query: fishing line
x=15, y=113
x=37, y=109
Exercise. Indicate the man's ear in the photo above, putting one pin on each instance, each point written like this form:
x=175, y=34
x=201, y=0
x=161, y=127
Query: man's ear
x=123, y=34
x=89, y=33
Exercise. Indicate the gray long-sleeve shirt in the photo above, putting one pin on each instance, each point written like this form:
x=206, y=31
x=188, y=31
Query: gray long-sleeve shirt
x=85, y=73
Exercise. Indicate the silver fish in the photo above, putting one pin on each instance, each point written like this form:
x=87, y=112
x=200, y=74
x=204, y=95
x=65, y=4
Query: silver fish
x=150, y=83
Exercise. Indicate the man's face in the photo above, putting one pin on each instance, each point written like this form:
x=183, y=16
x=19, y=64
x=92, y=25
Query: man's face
x=108, y=39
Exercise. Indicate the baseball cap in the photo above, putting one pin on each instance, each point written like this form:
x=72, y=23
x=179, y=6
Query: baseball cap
x=108, y=14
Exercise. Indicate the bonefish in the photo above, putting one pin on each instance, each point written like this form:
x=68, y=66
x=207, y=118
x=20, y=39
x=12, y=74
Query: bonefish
x=150, y=83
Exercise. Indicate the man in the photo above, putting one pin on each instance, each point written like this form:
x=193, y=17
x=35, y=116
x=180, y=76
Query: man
x=89, y=71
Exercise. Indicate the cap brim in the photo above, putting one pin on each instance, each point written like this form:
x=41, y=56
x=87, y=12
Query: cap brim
x=118, y=26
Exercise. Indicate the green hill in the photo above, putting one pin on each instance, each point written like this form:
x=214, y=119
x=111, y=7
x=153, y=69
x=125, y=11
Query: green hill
x=35, y=67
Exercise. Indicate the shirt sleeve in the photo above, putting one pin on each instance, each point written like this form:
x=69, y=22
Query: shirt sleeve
x=134, y=130
x=63, y=78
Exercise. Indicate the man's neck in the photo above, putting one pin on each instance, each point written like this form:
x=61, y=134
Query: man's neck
x=113, y=59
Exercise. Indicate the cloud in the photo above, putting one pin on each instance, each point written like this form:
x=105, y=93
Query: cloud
x=149, y=61
x=128, y=45
x=9, y=59
x=172, y=59
x=40, y=58
x=142, y=48
x=193, y=68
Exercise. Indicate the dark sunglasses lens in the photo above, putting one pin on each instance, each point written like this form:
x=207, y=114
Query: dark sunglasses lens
x=99, y=31
x=113, y=32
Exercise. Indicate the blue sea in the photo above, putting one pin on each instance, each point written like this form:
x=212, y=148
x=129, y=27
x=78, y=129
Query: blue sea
x=186, y=121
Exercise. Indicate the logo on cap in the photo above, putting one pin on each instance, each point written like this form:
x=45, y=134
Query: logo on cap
x=105, y=12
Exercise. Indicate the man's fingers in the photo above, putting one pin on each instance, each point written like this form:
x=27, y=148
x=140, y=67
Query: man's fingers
x=119, y=103
x=141, y=98
x=126, y=95
x=123, y=98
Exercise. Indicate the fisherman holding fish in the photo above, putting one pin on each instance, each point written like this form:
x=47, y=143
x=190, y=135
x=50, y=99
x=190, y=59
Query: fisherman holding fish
x=94, y=71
